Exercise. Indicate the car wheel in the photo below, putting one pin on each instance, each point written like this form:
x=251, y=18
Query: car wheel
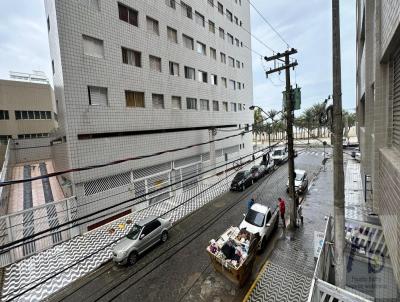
x=132, y=258
x=263, y=244
x=164, y=236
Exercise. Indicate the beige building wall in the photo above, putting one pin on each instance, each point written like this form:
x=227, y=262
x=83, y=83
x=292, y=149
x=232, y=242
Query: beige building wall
x=26, y=96
x=378, y=111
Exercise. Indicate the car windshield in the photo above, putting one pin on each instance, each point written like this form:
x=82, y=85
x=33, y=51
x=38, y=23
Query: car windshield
x=255, y=218
x=134, y=233
x=240, y=175
x=299, y=176
x=277, y=152
x=254, y=169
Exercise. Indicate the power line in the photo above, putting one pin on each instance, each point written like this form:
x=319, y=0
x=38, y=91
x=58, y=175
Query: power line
x=20, y=242
x=103, y=248
x=269, y=24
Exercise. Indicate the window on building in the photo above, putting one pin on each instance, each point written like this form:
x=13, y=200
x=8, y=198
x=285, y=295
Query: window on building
x=172, y=35
x=171, y=3
x=237, y=42
x=93, y=47
x=221, y=33
x=155, y=63
x=204, y=105
x=240, y=23
x=233, y=107
x=186, y=10
x=173, y=68
x=223, y=58
x=152, y=26
x=188, y=42
x=98, y=96
x=202, y=76
x=224, y=106
x=239, y=107
x=176, y=102
x=189, y=73
x=236, y=20
x=4, y=139
x=131, y=57
x=237, y=64
x=52, y=67
x=239, y=86
x=229, y=15
x=215, y=106
x=191, y=103
x=128, y=14
x=158, y=101
x=214, y=79
x=211, y=2
x=211, y=26
x=242, y=65
x=4, y=115
x=220, y=8
x=232, y=84
x=231, y=62
x=134, y=98
x=93, y=4
x=48, y=23
x=199, y=19
x=32, y=115
x=230, y=38
x=201, y=48
x=213, y=53
x=224, y=82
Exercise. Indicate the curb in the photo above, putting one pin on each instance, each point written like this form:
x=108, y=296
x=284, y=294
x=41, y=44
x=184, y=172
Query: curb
x=253, y=285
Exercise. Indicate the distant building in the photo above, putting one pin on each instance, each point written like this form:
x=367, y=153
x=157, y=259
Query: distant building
x=138, y=77
x=26, y=107
x=378, y=113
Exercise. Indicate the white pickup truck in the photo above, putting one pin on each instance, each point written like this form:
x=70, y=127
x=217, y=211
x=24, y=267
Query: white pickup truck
x=280, y=155
x=260, y=219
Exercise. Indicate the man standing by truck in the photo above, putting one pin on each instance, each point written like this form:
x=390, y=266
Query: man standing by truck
x=282, y=209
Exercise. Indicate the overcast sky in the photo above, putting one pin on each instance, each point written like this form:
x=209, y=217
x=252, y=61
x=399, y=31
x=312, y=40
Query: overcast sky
x=304, y=24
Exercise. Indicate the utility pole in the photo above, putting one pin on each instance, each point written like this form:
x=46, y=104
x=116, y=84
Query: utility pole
x=338, y=175
x=289, y=124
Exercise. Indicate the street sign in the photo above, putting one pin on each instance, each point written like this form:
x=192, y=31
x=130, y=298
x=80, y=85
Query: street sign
x=318, y=242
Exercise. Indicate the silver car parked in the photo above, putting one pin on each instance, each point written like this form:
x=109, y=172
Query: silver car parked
x=142, y=236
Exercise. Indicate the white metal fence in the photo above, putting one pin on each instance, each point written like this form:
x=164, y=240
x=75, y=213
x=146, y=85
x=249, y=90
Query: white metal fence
x=321, y=290
x=28, y=222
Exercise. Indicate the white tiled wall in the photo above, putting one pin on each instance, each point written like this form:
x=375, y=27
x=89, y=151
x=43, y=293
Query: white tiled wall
x=74, y=71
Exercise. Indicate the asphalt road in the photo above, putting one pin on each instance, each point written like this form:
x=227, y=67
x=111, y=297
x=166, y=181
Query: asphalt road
x=180, y=270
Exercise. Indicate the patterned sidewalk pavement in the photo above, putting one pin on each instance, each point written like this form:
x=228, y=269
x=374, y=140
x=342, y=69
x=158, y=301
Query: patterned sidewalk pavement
x=37, y=277
x=287, y=274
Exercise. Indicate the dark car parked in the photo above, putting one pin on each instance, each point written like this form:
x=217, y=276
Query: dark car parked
x=241, y=181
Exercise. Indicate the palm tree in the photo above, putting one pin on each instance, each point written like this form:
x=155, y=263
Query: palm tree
x=258, y=119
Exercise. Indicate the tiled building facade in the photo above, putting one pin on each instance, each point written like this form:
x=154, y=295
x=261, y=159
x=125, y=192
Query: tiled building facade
x=378, y=110
x=137, y=77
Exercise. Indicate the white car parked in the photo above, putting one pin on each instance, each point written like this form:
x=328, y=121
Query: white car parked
x=259, y=219
x=280, y=155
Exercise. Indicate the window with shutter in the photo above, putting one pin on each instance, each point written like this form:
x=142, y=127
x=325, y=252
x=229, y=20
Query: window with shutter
x=97, y=96
x=204, y=105
x=155, y=63
x=172, y=35
x=199, y=18
x=93, y=47
x=152, y=26
x=215, y=106
x=158, y=101
x=188, y=42
x=176, y=102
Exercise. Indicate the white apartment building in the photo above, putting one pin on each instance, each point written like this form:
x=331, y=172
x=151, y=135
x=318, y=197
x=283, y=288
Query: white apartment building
x=134, y=77
x=378, y=113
